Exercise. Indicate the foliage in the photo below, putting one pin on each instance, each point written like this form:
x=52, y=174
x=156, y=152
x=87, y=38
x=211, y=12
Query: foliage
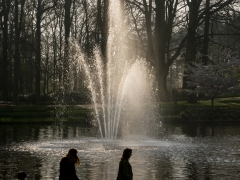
x=43, y=114
x=81, y=97
x=218, y=113
x=33, y=39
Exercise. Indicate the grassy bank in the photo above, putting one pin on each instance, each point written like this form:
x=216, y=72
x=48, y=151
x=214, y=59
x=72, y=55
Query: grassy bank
x=43, y=114
x=224, y=108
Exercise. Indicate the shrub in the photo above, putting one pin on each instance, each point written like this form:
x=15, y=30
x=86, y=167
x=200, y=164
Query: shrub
x=207, y=113
x=73, y=98
x=224, y=116
x=216, y=115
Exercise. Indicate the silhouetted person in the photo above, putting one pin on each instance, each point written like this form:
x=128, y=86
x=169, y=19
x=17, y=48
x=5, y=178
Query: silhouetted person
x=67, y=166
x=21, y=175
x=125, y=168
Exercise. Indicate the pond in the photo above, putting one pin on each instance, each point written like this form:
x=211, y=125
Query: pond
x=177, y=152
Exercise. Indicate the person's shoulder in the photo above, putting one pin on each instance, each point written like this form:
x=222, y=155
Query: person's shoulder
x=124, y=160
x=64, y=159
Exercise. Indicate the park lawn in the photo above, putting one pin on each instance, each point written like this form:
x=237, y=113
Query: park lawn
x=170, y=110
x=29, y=120
x=42, y=114
x=47, y=114
x=230, y=102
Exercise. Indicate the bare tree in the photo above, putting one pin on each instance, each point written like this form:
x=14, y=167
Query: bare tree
x=17, y=57
x=159, y=31
x=196, y=17
x=5, y=48
x=41, y=7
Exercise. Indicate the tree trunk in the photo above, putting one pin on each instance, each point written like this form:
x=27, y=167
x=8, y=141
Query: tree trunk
x=87, y=28
x=11, y=60
x=206, y=35
x=150, y=49
x=45, y=84
x=104, y=31
x=31, y=78
x=38, y=53
x=67, y=19
x=191, y=50
x=17, y=57
x=32, y=64
x=212, y=100
x=99, y=21
x=160, y=44
x=67, y=26
x=162, y=84
x=60, y=66
x=5, y=75
x=54, y=61
x=205, y=41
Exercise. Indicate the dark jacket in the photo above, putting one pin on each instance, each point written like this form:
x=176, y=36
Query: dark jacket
x=125, y=170
x=67, y=170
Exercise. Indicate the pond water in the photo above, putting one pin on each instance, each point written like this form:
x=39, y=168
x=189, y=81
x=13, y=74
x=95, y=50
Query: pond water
x=177, y=152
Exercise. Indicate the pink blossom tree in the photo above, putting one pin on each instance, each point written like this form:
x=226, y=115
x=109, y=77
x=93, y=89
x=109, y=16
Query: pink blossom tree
x=221, y=75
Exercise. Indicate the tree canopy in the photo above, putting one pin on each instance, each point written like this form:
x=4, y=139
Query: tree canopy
x=168, y=34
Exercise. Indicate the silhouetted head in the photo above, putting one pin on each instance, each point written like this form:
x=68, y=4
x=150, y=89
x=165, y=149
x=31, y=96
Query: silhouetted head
x=72, y=156
x=127, y=153
x=21, y=175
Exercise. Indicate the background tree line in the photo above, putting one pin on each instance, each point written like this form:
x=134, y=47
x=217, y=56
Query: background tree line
x=170, y=34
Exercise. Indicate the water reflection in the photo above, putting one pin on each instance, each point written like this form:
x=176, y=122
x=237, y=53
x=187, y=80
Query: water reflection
x=178, y=151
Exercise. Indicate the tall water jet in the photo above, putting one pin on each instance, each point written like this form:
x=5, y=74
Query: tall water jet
x=122, y=89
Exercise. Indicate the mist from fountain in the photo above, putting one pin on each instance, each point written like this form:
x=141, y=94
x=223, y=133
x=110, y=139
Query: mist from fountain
x=122, y=89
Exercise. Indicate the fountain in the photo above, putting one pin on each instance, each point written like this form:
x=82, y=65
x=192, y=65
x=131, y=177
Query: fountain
x=122, y=92
x=122, y=89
